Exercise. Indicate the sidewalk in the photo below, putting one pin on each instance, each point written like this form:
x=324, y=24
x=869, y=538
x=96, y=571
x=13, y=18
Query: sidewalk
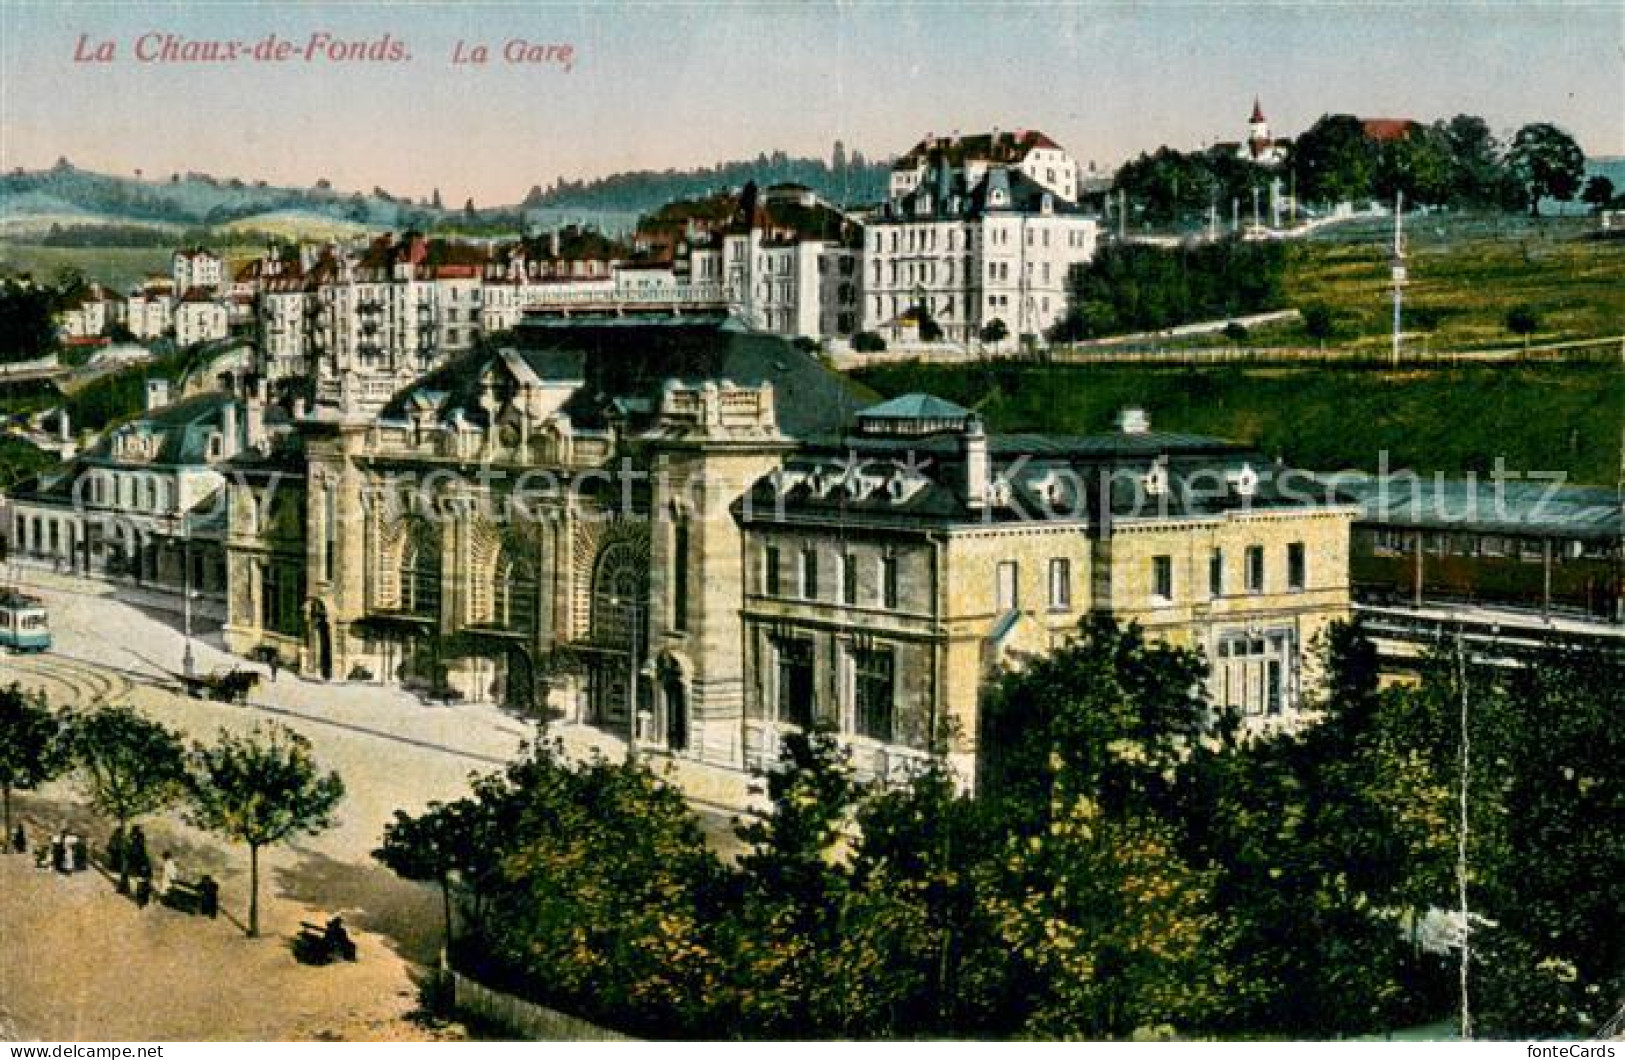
x=82, y=963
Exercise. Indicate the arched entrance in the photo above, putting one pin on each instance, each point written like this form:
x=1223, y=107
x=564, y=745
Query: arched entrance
x=674, y=694
x=519, y=681
x=620, y=633
x=322, y=637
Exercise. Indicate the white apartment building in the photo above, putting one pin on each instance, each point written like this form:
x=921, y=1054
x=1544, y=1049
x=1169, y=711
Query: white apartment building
x=200, y=316
x=149, y=311
x=196, y=267
x=970, y=245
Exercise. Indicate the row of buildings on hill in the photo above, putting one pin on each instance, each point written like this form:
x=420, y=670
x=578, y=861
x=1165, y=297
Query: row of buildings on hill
x=976, y=240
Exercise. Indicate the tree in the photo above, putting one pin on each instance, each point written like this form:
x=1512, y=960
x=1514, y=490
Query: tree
x=1477, y=175
x=1599, y=192
x=1086, y=762
x=446, y=840
x=1421, y=165
x=1334, y=160
x=1318, y=322
x=31, y=746
x=994, y=332
x=868, y=342
x=1523, y=320
x=261, y=789
x=128, y=766
x=1546, y=162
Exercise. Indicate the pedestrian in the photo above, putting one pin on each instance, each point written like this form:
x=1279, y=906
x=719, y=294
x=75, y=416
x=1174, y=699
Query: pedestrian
x=78, y=853
x=136, y=862
x=19, y=840
x=276, y=664
x=115, y=851
x=59, y=851
x=169, y=875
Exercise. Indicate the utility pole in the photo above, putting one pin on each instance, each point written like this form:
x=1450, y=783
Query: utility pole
x=1398, y=268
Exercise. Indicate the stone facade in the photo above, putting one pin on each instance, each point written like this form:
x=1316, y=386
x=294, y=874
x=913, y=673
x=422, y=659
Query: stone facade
x=704, y=543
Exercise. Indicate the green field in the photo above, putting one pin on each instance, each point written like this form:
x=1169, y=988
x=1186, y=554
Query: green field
x=1537, y=417
x=1465, y=274
x=120, y=268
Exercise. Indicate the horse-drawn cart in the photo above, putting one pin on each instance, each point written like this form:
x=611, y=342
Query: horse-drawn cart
x=230, y=686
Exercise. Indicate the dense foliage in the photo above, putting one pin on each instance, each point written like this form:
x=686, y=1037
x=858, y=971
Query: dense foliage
x=1456, y=162
x=32, y=748
x=1135, y=287
x=1130, y=868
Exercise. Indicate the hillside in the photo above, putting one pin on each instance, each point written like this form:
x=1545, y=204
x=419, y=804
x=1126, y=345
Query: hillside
x=32, y=202
x=1538, y=418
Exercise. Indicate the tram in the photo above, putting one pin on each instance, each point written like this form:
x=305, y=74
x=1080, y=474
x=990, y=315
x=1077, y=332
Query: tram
x=24, y=623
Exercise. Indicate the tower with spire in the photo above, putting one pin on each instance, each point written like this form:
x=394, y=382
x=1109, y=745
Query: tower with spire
x=1261, y=147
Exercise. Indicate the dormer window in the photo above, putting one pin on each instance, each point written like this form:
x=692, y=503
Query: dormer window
x=997, y=197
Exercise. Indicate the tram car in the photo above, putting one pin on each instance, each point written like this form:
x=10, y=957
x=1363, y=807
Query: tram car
x=24, y=622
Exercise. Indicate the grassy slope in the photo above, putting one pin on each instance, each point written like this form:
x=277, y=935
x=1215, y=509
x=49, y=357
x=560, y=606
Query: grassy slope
x=1537, y=417
x=1470, y=270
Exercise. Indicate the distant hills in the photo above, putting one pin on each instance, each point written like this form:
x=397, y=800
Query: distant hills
x=58, y=205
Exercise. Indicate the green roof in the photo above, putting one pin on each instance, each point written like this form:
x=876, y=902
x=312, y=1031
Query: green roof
x=915, y=407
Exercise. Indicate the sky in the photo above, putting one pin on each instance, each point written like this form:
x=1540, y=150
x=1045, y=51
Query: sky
x=675, y=85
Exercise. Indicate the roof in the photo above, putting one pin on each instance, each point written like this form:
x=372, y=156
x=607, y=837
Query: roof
x=624, y=363
x=1006, y=147
x=1404, y=499
x=1000, y=190
x=184, y=429
x=914, y=483
x=915, y=407
x=1384, y=130
x=1258, y=113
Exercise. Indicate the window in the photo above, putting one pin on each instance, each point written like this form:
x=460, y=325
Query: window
x=849, y=580
x=888, y=581
x=515, y=597
x=874, y=685
x=1215, y=573
x=770, y=570
x=795, y=680
x=679, y=577
x=1162, y=577
x=1255, y=569
x=1007, y=597
x=809, y=574
x=1296, y=573
x=1060, y=585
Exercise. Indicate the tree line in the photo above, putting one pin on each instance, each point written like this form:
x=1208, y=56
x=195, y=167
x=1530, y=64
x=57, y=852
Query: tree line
x=1457, y=163
x=1132, y=867
x=1129, y=287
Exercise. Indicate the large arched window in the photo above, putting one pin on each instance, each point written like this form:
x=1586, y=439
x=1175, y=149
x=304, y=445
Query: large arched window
x=619, y=592
x=420, y=572
x=514, y=598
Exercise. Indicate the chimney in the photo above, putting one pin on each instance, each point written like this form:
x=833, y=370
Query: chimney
x=157, y=393
x=976, y=463
x=254, y=418
x=228, y=430
x=1134, y=420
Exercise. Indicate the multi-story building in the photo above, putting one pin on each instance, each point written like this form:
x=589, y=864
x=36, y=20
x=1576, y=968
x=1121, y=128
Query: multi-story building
x=147, y=502
x=196, y=267
x=201, y=316
x=149, y=312
x=91, y=312
x=971, y=245
x=690, y=528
